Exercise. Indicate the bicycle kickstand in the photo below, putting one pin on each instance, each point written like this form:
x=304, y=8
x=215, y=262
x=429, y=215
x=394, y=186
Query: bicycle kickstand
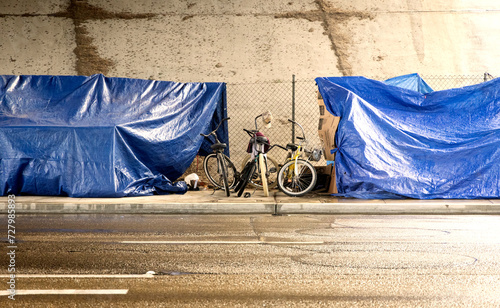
x=248, y=195
x=214, y=191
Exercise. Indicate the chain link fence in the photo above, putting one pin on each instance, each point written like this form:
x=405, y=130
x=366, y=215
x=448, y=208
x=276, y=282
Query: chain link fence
x=292, y=99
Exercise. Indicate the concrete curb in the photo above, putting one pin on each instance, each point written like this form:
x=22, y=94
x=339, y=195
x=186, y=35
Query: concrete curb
x=389, y=209
x=167, y=208
x=216, y=203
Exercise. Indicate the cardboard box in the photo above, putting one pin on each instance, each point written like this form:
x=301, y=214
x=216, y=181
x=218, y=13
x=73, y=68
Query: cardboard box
x=326, y=170
x=327, y=128
x=332, y=187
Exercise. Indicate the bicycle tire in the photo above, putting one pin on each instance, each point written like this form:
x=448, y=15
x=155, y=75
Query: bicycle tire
x=240, y=179
x=210, y=168
x=245, y=178
x=223, y=169
x=263, y=176
x=300, y=184
x=273, y=168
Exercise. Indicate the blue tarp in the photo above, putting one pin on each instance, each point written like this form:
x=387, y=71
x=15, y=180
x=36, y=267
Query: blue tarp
x=395, y=142
x=411, y=82
x=102, y=137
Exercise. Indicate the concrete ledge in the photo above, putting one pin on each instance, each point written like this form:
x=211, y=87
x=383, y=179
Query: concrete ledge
x=207, y=202
x=420, y=208
x=190, y=203
x=167, y=208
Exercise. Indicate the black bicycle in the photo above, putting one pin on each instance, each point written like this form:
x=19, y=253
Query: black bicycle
x=219, y=169
x=256, y=166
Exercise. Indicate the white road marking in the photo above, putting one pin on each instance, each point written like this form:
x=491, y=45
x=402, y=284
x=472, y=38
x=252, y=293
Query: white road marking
x=66, y=292
x=81, y=276
x=222, y=242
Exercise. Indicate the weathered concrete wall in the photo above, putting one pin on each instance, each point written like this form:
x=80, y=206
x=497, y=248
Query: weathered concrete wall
x=248, y=40
x=34, y=42
x=430, y=37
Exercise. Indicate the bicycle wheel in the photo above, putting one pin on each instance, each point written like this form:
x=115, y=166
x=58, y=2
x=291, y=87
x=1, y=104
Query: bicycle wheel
x=272, y=170
x=223, y=172
x=245, y=177
x=297, y=178
x=212, y=171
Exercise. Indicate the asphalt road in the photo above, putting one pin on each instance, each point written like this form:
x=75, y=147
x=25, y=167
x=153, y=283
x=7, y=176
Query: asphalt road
x=253, y=261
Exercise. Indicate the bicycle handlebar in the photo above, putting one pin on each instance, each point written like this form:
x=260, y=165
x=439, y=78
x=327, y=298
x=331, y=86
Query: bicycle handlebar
x=279, y=146
x=213, y=132
x=251, y=132
x=296, y=123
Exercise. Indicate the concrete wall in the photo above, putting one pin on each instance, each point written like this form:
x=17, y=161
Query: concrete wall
x=248, y=40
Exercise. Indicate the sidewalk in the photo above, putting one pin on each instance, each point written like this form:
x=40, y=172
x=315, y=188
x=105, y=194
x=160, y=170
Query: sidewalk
x=207, y=202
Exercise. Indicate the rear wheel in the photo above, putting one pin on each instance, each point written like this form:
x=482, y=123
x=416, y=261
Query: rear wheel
x=212, y=171
x=297, y=178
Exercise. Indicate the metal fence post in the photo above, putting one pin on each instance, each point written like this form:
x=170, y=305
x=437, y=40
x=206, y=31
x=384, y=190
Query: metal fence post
x=293, y=108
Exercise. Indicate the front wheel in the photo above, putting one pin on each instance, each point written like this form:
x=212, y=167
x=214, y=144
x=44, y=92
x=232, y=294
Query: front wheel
x=297, y=178
x=223, y=171
x=246, y=174
x=272, y=173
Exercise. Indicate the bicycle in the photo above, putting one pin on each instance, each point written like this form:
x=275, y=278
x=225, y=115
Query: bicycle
x=297, y=176
x=219, y=169
x=256, y=167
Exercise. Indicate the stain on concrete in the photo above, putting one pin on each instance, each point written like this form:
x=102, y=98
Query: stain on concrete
x=416, y=29
x=89, y=61
x=330, y=18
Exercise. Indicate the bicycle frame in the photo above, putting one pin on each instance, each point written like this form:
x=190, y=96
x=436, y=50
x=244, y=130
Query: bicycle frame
x=297, y=176
x=297, y=153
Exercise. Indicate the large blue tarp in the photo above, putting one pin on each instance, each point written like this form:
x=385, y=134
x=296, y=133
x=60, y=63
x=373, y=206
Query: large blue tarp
x=96, y=136
x=395, y=142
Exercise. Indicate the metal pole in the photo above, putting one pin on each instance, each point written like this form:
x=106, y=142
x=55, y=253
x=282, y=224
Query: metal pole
x=293, y=108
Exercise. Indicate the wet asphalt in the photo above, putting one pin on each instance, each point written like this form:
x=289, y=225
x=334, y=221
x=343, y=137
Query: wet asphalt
x=257, y=260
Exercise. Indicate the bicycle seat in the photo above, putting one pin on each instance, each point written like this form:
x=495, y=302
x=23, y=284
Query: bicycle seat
x=260, y=140
x=292, y=146
x=218, y=146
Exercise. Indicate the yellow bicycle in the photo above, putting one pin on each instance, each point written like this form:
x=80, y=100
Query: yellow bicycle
x=297, y=176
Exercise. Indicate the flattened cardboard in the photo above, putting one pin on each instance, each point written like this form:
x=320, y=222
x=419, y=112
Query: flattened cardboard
x=327, y=128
